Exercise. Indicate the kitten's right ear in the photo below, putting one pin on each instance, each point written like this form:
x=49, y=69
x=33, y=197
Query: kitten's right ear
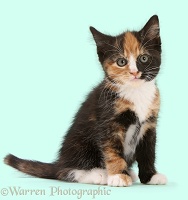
x=99, y=37
x=151, y=29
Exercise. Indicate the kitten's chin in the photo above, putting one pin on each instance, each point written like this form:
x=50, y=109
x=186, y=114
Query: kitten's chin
x=136, y=82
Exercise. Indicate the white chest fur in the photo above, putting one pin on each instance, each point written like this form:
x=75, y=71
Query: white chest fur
x=132, y=138
x=129, y=134
x=141, y=96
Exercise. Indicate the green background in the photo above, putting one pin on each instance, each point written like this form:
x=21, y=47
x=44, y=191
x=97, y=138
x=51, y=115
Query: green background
x=48, y=64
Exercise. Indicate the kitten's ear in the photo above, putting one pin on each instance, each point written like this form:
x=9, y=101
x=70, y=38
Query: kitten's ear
x=151, y=29
x=99, y=37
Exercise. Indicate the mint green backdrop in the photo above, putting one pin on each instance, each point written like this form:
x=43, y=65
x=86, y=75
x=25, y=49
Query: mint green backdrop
x=48, y=64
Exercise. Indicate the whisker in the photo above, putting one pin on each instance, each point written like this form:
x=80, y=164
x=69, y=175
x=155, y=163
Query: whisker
x=152, y=45
x=149, y=77
x=154, y=50
x=118, y=44
x=150, y=69
x=147, y=42
x=110, y=50
x=112, y=46
x=113, y=55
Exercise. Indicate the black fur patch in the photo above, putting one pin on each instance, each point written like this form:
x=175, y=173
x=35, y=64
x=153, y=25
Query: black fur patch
x=126, y=118
x=145, y=156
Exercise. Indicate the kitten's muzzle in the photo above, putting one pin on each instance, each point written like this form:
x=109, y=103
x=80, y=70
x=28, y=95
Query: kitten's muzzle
x=136, y=75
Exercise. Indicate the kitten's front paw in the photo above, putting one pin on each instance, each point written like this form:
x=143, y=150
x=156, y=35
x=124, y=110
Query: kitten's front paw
x=119, y=180
x=158, y=179
x=100, y=176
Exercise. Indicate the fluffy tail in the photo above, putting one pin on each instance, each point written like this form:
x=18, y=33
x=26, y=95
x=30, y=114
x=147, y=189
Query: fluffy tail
x=34, y=168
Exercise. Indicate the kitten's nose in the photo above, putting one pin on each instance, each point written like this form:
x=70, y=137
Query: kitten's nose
x=134, y=73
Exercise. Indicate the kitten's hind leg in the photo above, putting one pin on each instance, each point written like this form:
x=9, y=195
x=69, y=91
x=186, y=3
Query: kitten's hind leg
x=94, y=176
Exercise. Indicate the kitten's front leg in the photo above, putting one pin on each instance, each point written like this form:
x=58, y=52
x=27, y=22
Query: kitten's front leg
x=116, y=167
x=117, y=171
x=145, y=156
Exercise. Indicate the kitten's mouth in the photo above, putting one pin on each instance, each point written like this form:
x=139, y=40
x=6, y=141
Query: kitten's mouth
x=135, y=78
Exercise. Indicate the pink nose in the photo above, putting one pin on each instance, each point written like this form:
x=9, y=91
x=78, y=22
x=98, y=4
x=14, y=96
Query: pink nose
x=134, y=73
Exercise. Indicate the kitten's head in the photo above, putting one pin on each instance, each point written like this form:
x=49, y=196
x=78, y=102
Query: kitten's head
x=132, y=57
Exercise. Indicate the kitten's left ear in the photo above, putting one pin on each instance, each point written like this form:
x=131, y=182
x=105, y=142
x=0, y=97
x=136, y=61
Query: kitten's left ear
x=151, y=30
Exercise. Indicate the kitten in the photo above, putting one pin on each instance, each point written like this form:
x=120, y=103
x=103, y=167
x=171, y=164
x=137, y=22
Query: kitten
x=116, y=125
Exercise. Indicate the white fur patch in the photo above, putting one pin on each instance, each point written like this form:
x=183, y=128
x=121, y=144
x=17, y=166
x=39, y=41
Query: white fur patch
x=95, y=176
x=141, y=96
x=132, y=64
x=117, y=181
x=133, y=175
x=158, y=179
x=127, y=147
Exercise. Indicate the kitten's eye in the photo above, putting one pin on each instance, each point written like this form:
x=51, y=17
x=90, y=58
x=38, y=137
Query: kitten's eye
x=144, y=58
x=121, y=62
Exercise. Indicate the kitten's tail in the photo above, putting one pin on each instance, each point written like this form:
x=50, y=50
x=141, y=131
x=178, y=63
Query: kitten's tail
x=34, y=168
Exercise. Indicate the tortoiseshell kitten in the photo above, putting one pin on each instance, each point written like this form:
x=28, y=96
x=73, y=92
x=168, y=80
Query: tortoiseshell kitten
x=116, y=125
